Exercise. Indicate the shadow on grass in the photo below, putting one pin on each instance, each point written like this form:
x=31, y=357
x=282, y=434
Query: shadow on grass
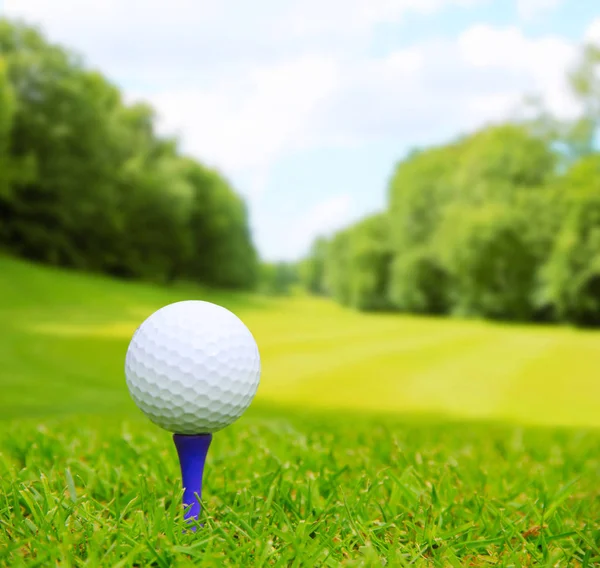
x=120, y=411
x=364, y=418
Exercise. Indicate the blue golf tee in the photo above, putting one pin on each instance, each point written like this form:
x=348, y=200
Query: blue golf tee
x=192, y=452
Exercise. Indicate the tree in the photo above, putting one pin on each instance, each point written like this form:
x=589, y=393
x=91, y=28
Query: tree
x=420, y=283
x=572, y=138
x=278, y=278
x=337, y=265
x=489, y=261
x=62, y=120
x=571, y=277
x=487, y=225
x=92, y=186
x=312, y=269
x=420, y=189
x=222, y=246
x=356, y=264
x=151, y=217
x=369, y=261
x=452, y=207
x=498, y=162
x=7, y=109
x=585, y=84
x=496, y=232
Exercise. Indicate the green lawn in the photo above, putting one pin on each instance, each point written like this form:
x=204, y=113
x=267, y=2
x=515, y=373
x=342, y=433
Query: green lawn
x=373, y=437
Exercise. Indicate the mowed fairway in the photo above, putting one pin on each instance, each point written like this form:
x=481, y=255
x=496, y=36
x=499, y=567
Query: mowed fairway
x=372, y=437
x=67, y=330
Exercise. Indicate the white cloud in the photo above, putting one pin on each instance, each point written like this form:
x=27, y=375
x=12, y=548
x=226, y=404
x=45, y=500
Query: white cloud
x=531, y=9
x=245, y=123
x=306, y=19
x=323, y=219
x=146, y=38
x=283, y=76
x=312, y=18
x=242, y=83
x=535, y=65
x=592, y=34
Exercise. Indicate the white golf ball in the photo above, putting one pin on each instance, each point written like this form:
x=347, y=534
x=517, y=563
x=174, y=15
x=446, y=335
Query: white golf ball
x=192, y=367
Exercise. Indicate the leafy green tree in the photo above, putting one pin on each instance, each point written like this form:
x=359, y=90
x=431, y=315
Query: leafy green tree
x=499, y=162
x=222, y=246
x=573, y=138
x=585, y=84
x=489, y=261
x=152, y=217
x=420, y=189
x=278, y=278
x=357, y=264
x=571, y=277
x=92, y=186
x=369, y=263
x=61, y=120
x=312, y=269
x=7, y=109
x=451, y=207
x=485, y=225
x=496, y=233
x=337, y=266
x=420, y=283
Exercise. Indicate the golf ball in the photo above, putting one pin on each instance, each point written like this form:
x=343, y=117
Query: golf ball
x=192, y=367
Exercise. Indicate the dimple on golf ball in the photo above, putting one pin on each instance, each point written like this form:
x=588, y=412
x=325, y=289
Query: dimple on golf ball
x=192, y=367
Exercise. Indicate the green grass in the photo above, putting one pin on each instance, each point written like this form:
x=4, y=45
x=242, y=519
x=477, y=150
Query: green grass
x=373, y=438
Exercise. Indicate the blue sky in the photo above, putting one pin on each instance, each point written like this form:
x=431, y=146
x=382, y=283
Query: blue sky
x=306, y=106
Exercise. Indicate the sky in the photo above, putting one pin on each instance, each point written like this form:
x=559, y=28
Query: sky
x=307, y=106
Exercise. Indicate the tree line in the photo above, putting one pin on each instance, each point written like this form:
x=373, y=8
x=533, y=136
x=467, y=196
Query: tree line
x=503, y=223
x=86, y=181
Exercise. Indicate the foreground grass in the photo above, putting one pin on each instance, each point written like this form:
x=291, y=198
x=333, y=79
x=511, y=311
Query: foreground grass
x=303, y=479
x=302, y=491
